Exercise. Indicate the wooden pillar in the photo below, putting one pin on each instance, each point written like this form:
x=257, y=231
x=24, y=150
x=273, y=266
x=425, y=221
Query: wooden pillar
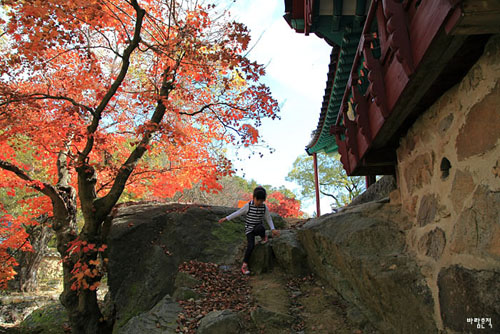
x=316, y=184
x=370, y=179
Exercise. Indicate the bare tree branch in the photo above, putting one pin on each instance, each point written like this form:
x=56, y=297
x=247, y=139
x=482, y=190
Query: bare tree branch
x=45, y=188
x=42, y=96
x=118, y=81
x=208, y=106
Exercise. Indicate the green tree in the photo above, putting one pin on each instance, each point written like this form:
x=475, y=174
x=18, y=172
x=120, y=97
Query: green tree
x=333, y=180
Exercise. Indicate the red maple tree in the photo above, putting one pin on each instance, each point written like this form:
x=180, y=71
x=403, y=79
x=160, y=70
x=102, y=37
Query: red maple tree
x=280, y=203
x=107, y=96
x=286, y=207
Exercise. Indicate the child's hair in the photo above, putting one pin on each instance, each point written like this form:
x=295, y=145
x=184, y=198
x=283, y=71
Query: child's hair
x=259, y=193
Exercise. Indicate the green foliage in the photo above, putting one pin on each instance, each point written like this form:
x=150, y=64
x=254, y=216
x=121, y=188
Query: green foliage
x=333, y=180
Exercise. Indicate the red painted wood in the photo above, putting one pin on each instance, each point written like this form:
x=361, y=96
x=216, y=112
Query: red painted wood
x=308, y=17
x=298, y=9
x=351, y=137
x=405, y=32
x=376, y=78
x=363, y=145
x=395, y=80
x=342, y=149
x=376, y=119
x=425, y=24
x=353, y=162
x=397, y=27
x=455, y=17
x=372, y=12
x=362, y=117
x=383, y=35
x=411, y=9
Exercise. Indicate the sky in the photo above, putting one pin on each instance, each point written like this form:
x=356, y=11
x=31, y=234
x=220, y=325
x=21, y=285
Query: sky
x=296, y=73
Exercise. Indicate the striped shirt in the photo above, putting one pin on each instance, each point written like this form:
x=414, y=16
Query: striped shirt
x=254, y=216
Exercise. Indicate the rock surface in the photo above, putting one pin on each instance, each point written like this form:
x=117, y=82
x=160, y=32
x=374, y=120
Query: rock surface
x=148, y=242
x=289, y=253
x=264, y=316
x=262, y=259
x=217, y=322
x=161, y=319
x=376, y=191
x=362, y=254
x=469, y=294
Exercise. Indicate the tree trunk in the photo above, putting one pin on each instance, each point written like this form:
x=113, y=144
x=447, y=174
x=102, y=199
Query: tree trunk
x=29, y=262
x=81, y=304
x=84, y=313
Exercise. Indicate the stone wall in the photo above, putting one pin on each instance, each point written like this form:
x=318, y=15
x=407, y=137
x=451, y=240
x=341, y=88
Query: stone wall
x=449, y=185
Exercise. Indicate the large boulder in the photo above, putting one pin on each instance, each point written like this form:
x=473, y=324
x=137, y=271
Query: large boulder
x=262, y=259
x=161, y=319
x=470, y=299
x=361, y=253
x=264, y=316
x=377, y=191
x=218, y=322
x=147, y=243
x=51, y=318
x=289, y=253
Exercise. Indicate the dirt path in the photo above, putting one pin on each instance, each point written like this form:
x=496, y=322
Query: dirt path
x=314, y=309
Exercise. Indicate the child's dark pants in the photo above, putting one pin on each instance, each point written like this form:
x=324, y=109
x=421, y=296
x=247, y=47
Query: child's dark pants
x=258, y=230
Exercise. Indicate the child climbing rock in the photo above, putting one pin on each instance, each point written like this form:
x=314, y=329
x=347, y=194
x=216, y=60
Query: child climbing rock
x=256, y=211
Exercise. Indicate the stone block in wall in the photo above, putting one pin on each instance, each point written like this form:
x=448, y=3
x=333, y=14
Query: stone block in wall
x=418, y=172
x=432, y=243
x=477, y=230
x=410, y=206
x=445, y=123
x=481, y=130
x=427, y=210
x=465, y=294
x=496, y=169
x=463, y=185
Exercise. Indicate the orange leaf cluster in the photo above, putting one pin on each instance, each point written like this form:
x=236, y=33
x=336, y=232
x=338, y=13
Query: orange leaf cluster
x=285, y=206
x=89, y=267
x=13, y=238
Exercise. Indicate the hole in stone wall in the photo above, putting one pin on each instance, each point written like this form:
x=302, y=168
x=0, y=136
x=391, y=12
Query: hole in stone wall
x=445, y=168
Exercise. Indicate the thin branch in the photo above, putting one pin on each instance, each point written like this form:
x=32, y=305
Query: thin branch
x=330, y=195
x=118, y=81
x=40, y=96
x=208, y=106
x=42, y=187
x=117, y=17
x=110, y=47
x=11, y=256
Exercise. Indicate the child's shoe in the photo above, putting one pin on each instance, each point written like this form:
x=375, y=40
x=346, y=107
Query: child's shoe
x=244, y=269
x=264, y=240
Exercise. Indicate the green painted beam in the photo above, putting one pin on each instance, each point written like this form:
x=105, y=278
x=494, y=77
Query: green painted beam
x=326, y=142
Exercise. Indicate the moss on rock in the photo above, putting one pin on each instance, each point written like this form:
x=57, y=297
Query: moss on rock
x=49, y=319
